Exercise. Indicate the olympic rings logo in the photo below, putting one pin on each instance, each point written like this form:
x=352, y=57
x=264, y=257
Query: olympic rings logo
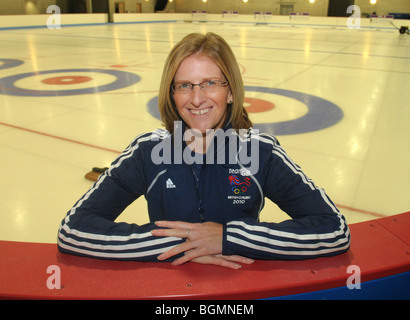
x=237, y=190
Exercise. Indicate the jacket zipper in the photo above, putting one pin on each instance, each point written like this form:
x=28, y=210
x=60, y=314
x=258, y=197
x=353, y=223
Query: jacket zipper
x=200, y=206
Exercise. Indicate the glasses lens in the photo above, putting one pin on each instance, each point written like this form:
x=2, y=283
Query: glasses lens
x=210, y=86
x=182, y=87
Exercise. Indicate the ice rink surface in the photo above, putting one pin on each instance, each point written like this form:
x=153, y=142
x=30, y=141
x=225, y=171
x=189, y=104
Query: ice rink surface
x=73, y=98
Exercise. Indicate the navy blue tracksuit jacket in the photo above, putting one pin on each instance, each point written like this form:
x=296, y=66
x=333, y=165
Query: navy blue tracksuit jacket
x=225, y=189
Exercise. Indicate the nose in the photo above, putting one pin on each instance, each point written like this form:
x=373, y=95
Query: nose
x=198, y=96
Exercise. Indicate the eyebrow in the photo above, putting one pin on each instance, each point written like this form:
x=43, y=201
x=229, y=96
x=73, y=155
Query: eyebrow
x=204, y=79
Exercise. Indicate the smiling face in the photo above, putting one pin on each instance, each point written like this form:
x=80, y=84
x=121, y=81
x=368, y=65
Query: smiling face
x=199, y=109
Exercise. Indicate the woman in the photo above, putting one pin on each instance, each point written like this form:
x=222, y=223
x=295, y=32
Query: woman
x=205, y=179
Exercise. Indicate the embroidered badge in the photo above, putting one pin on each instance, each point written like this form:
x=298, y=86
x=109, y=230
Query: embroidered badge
x=238, y=186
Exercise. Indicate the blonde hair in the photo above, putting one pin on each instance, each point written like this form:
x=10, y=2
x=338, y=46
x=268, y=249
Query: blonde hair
x=218, y=50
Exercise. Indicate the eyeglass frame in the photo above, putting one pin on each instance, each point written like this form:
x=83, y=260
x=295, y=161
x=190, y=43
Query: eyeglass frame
x=222, y=85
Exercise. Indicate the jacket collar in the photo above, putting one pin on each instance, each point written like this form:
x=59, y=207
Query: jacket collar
x=219, y=147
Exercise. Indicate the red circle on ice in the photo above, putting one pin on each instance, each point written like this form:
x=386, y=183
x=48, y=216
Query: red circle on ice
x=254, y=105
x=66, y=80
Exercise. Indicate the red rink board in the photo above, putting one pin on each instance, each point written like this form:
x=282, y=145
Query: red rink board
x=379, y=247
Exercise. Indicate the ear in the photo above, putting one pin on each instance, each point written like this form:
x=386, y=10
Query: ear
x=229, y=99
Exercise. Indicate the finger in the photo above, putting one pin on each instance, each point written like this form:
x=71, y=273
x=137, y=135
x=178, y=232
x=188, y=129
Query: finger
x=218, y=261
x=237, y=258
x=183, y=247
x=175, y=224
x=179, y=233
x=189, y=255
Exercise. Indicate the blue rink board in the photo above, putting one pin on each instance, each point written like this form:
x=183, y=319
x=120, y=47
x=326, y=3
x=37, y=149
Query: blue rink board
x=396, y=287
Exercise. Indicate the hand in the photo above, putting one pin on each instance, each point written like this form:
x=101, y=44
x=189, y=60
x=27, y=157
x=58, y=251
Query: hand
x=203, y=244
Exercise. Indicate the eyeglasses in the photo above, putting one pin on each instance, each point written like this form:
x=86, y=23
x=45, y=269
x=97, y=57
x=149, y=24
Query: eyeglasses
x=207, y=86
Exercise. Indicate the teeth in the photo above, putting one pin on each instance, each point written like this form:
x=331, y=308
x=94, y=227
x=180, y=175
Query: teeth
x=202, y=111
